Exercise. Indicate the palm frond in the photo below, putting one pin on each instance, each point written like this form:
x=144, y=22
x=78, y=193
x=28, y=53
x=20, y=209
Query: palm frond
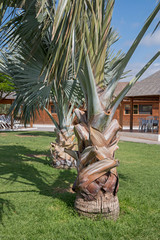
x=108, y=93
x=122, y=94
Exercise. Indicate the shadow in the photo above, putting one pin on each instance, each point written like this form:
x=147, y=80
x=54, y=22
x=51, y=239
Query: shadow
x=62, y=187
x=124, y=177
x=22, y=154
x=14, y=163
x=37, y=134
x=5, y=207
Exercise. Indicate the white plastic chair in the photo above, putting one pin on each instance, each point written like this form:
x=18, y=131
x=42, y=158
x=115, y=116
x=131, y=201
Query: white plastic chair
x=149, y=126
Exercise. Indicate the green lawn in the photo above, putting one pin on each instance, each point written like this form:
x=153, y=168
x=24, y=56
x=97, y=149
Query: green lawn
x=36, y=202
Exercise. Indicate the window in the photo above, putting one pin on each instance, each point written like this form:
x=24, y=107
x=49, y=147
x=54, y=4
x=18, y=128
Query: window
x=135, y=109
x=52, y=109
x=145, y=109
x=127, y=109
x=4, y=108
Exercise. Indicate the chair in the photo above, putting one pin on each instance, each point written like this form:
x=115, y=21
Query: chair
x=149, y=126
x=2, y=124
x=5, y=122
x=142, y=124
x=156, y=123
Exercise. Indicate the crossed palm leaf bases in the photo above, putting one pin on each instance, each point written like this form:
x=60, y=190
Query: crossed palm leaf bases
x=65, y=139
x=96, y=164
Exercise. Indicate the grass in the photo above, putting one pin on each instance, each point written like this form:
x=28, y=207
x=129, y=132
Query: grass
x=36, y=201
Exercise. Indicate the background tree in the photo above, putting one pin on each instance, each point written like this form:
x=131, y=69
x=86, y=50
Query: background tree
x=6, y=85
x=34, y=94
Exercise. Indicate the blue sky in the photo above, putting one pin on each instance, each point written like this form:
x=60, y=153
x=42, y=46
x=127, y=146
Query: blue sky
x=128, y=19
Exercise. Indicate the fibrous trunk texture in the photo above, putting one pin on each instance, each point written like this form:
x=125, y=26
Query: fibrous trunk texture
x=106, y=204
x=65, y=139
x=97, y=181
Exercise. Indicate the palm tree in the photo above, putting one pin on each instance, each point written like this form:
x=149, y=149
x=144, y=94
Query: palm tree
x=33, y=95
x=32, y=91
x=82, y=29
x=88, y=24
x=97, y=181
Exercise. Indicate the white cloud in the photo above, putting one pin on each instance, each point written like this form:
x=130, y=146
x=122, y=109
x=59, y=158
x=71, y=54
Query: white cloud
x=136, y=67
x=152, y=39
x=135, y=24
x=128, y=43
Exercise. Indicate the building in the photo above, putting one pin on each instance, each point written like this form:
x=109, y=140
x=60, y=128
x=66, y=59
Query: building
x=42, y=118
x=142, y=100
x=6, y=102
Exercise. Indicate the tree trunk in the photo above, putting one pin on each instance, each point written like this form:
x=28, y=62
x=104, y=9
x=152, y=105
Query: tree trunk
x=97, y=181
x=65, y=139
x=106, y=204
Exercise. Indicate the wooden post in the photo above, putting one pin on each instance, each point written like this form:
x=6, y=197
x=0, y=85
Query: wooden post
x=159, y=121
x=12, y=121
x=131, y=114
x=31, y=123
x=12, y=118
x=121, y=115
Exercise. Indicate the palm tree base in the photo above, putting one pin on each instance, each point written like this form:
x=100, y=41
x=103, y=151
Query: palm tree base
x=107, y=205
x=63, y=163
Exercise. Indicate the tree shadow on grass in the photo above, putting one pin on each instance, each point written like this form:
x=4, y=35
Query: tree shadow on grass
x=16, y=166
x=123, y=176
x=5, y=208
x=62, y=186
x=37, y=134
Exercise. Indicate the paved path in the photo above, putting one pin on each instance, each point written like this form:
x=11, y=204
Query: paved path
x=148, y=138
x=140, y=137
x=138, y=140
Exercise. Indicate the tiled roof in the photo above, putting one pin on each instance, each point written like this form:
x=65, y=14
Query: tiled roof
x=150, y=86
x=120, y=87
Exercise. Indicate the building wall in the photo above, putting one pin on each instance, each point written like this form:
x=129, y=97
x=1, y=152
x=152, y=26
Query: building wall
x=43, y=117
x=136, y=117
x=5, y=101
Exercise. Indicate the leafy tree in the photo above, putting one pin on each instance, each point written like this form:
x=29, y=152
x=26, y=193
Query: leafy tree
x=6, y=85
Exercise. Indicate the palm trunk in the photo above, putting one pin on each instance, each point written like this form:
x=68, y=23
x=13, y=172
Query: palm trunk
x=97, y=181
x=65, y=139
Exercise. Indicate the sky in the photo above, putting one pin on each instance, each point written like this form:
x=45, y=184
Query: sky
x=128, y=18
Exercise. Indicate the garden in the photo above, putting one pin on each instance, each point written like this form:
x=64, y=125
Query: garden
x=37, y=201
x=62, y=53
